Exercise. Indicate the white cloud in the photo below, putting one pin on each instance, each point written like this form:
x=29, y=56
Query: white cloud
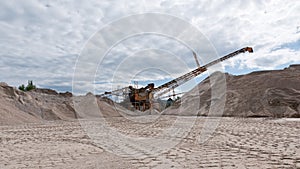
x=45, y=37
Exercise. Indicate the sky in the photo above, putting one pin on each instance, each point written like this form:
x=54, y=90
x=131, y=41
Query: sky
x=46, y=41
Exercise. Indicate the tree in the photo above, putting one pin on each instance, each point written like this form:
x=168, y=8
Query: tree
x=22, y=87
x=29, y=86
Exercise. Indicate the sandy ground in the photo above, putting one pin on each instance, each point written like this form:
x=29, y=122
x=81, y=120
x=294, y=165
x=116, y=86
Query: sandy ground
x=236, y=143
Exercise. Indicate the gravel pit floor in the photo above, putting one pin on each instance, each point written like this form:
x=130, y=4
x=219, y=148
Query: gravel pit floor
x=235, y=143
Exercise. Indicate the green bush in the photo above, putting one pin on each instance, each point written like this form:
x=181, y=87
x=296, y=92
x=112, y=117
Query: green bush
x=22, y=87
x=29, y=86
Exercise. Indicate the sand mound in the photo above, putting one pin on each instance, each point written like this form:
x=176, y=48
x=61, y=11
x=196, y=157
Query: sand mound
x=45, y=104
x=258, y=94
x=39, y=104
x=11, y=100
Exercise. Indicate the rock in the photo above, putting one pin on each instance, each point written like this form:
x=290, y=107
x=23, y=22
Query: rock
x=89, y=94
x=66, y=94
x=44, y=91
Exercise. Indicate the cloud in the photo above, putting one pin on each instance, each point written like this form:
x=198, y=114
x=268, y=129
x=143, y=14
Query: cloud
x=44, y=71
x=41, y=40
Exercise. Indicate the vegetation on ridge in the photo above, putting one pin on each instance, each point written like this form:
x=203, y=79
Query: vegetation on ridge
x=30, y=86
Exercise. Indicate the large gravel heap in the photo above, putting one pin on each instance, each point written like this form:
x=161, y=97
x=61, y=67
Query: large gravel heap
x=45, y=104
x=273, y=93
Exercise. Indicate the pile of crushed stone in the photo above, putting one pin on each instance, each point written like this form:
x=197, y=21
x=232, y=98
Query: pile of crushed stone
x=273, y=93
